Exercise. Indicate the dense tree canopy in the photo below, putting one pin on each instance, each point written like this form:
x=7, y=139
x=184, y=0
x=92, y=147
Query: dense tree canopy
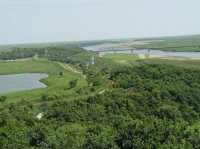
x=68, y=54
x=147, y=106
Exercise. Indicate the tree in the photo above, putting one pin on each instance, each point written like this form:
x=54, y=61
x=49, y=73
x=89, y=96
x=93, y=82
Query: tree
x=61, y=74
x=3, y=98
x=73, y=83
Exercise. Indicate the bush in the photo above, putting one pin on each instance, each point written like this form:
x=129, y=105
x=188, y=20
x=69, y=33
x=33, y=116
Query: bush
x=3, y=98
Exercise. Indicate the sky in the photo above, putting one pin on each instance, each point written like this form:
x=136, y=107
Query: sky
x=32, y=21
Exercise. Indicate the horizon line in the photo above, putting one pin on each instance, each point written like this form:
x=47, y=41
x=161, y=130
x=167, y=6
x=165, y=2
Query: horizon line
x=87, y=40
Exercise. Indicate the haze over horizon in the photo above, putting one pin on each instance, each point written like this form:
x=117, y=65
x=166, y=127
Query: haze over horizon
x=32, y=21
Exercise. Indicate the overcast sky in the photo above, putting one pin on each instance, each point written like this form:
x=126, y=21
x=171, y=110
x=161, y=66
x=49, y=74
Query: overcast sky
x=27, y=21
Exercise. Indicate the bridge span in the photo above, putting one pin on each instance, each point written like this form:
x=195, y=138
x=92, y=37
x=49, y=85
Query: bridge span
x=115, y=50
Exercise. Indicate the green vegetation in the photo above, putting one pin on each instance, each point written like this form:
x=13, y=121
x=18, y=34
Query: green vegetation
x=123, y=58
x=3, y=98
x=66, y=54
x=72, y=84
x=184, y=43
x=56, y=83
x=150, y=103
x=148, y=106
x=188, y=64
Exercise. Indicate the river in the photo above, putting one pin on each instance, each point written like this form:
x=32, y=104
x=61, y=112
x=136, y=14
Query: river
x=148, y=52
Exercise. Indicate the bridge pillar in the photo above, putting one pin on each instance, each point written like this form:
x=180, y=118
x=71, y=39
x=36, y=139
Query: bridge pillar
x=131, y=51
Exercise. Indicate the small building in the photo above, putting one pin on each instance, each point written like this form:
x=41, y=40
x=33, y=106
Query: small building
x=90, y=62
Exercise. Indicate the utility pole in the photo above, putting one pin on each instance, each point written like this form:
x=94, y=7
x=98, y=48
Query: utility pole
x=46, y=53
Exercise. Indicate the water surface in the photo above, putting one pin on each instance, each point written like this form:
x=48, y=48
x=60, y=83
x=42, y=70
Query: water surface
x=20, y=82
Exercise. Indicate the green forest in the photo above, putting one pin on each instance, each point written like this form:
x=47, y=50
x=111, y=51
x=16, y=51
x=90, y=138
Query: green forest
x=148, y=104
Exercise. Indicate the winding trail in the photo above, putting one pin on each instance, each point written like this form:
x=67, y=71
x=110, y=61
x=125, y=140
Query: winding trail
x=65, y=66
x=103, y=91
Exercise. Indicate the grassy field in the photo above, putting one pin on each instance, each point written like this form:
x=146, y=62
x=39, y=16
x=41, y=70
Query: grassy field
x=123, y=58
x=56, y=84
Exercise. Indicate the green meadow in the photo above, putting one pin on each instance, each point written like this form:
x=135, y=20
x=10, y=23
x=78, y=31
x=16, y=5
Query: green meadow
x=123, y=58
x=56, y=84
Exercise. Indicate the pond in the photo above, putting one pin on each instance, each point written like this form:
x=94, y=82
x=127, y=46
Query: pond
x=21, y=82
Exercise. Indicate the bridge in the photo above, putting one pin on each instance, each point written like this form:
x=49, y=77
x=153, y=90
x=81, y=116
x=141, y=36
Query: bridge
x=115, y=50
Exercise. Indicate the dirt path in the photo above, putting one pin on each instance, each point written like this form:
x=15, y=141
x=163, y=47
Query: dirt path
x=19, y=60
x=142, y=56
x=101, y=92
x=65, y=66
